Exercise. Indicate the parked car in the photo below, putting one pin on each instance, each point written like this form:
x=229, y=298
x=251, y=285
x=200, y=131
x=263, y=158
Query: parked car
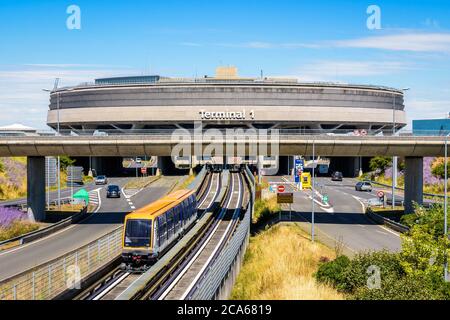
x=337, y=176
x=101, y=180
x=138, y=160
x=363, y=186
x=113, y=191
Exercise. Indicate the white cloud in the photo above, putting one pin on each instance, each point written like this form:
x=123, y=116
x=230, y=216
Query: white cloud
x=427, y=109
x=21, y=96
x=335, y=70
x=417, y=42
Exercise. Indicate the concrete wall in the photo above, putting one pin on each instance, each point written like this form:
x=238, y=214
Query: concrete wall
x=297, y=104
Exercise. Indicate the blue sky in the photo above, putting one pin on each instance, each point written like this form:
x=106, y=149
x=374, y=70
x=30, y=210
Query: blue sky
x=309, y=40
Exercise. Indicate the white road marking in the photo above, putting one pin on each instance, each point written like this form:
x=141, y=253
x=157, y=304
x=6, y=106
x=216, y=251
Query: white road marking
x=382, y=227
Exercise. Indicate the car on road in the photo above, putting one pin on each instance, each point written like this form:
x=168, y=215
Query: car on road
x=336, y=176
x=101, y=180
x=113, y=191
x=363, y=186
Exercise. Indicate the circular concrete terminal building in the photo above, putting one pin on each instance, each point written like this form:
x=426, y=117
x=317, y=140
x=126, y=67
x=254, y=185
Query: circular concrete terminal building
x=154, y=102
x=142, y=103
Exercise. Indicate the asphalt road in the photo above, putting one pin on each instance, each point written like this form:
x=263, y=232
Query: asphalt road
x=65, y=193
x=344, y=221
x=109, y=216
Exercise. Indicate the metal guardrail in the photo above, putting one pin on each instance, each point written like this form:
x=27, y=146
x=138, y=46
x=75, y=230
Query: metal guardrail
x=34, y=235
x=281, y=132
x=388, y=222
x=50, y=279
x=403, y=189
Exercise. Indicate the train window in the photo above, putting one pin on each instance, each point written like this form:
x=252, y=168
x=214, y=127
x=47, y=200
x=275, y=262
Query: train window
x=176, y=217
x=170, y=223
x=137, y=233
x=162, y=232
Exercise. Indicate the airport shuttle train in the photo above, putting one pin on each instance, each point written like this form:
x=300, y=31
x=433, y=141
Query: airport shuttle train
x=150, y=231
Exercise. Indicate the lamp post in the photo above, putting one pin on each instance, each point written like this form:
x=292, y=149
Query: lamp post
x=58, y=173
x=445, y=203
x=394, y=159
x=313, y=191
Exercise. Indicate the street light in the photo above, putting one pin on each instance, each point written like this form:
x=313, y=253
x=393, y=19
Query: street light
x=312, y=193
x=394, y=159
x=445, y=203
x=58, y=173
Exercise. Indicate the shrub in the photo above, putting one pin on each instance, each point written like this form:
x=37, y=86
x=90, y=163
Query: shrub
x=332, y=272
x=379, y=163
x=264, y=209
x=9, y=215
x=350, y=275
x=405, y=288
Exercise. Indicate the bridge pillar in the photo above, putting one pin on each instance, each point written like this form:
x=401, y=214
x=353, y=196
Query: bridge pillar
x=36, y=188
x=413, y=182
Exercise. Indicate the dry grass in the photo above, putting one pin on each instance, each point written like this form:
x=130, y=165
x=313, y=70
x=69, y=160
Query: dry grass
x=279, y=265
x=141, y=182
x=17, y=228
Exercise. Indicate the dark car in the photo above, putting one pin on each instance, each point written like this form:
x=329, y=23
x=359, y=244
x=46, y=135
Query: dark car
x=113, y=191
x=336, y=176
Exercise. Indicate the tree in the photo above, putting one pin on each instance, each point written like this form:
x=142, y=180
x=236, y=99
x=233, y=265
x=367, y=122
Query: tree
x=438, y=168
x=66, y=162
x=379, y=163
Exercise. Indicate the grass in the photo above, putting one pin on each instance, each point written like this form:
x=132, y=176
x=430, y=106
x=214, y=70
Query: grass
x=265, y=209
x=280, y=264
x=185, y=183
x=138, y=183
x=17, y=228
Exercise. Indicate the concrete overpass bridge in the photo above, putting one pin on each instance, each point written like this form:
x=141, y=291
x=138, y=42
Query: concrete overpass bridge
x=413, y=148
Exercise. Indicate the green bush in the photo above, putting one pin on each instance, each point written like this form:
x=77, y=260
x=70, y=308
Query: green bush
x=65, y=162
x=405, y=288
x=379, y=163
x=332, y=272
x=350, y=275
x=438, y=169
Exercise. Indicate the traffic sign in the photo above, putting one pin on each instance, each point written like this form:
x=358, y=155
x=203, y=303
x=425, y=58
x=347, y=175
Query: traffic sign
x=287, y=197
x=380, y=194
x=144, y=170
x=281, y=188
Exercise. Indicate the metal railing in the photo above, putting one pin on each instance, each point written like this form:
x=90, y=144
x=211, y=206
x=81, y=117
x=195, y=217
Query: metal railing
x=386, y=132
x=208, y=287
x=50, y=279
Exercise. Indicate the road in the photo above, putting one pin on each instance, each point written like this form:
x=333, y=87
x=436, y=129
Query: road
x=109, y=216
x=65, y=193
x=344, y=221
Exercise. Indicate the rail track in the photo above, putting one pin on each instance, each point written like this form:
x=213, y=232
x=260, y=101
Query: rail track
x=116, y=281
x=182, y=284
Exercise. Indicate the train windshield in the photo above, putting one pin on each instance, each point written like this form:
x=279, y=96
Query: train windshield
x=137, y=233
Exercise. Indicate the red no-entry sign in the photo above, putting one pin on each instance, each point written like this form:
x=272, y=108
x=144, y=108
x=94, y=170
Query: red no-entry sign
x=143, y=170
x=380, y=194
x=281, y=188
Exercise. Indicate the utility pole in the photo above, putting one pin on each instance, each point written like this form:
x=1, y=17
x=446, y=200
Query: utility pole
x=58, y=173
x=446, y=204
x=313, y=191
